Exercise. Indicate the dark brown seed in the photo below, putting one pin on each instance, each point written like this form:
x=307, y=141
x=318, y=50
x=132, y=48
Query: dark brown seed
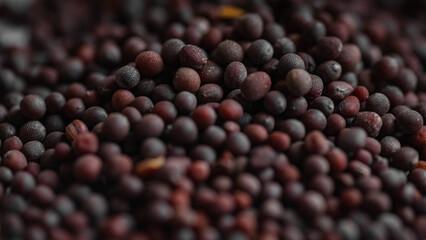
x=192, y=56
x=316, y=89
x=311, y=204
x=394, y=95
x=377, y=202
x=74, y=108
x=115, y=127
x=260, y=52
x=406, y=80
x=275, y=102
x=33, y=150
x=151, y=125
x=184, y=131
x=229, y=51
x=405, y=158
x=117, y=166
x=389, y=146
x=209, y=93
x=370, y=121
x=386, y=68
x=214, y=136
x=298, y=82
x=292, y=127
x=314, y=119
x=132, y=47
x=328, y=48
x=127, y=77
x=152, y=148
x=338, y=90
x=32, y=131
x=234, y=75
x=250, y=26
x=324, y=104
x=352, y=139
x=289, y=62
x=378, y=103
x=170, y=51
x=33, y=107
x=316, y=164
x=94, y=115
x=211, y=73
x=143, y=104
x=238, y=143
x=329, y=71
x=389, y=124
x=283, y=46
x=185, y=102
x=409, y=121
x=349, y=57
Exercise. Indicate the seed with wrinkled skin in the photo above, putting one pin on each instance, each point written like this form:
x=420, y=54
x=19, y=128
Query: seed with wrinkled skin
x=74, y=129
x=192, y=56
x=370, y=121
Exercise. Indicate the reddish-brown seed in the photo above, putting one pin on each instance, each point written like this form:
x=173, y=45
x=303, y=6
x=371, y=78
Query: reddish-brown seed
x=279, y=141
x=192, y=56
x=75, y=128
x=349, y=107
x=117, y=165
x=337, y=159
x=256, y=86
x=230, y=110
x=199, y=171
x=149, y=63
x=121, y=99
x=370, y=121
x=186, y=79
x=204, y=116
x=87, y=168
x=14, y=160
x=338, y=90
x=86, y=143
x=316, y=143
x=349, y=57
x=256, y=133
x=361, y=93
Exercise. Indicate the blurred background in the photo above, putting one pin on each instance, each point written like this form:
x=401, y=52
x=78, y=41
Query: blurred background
x=60, y=29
